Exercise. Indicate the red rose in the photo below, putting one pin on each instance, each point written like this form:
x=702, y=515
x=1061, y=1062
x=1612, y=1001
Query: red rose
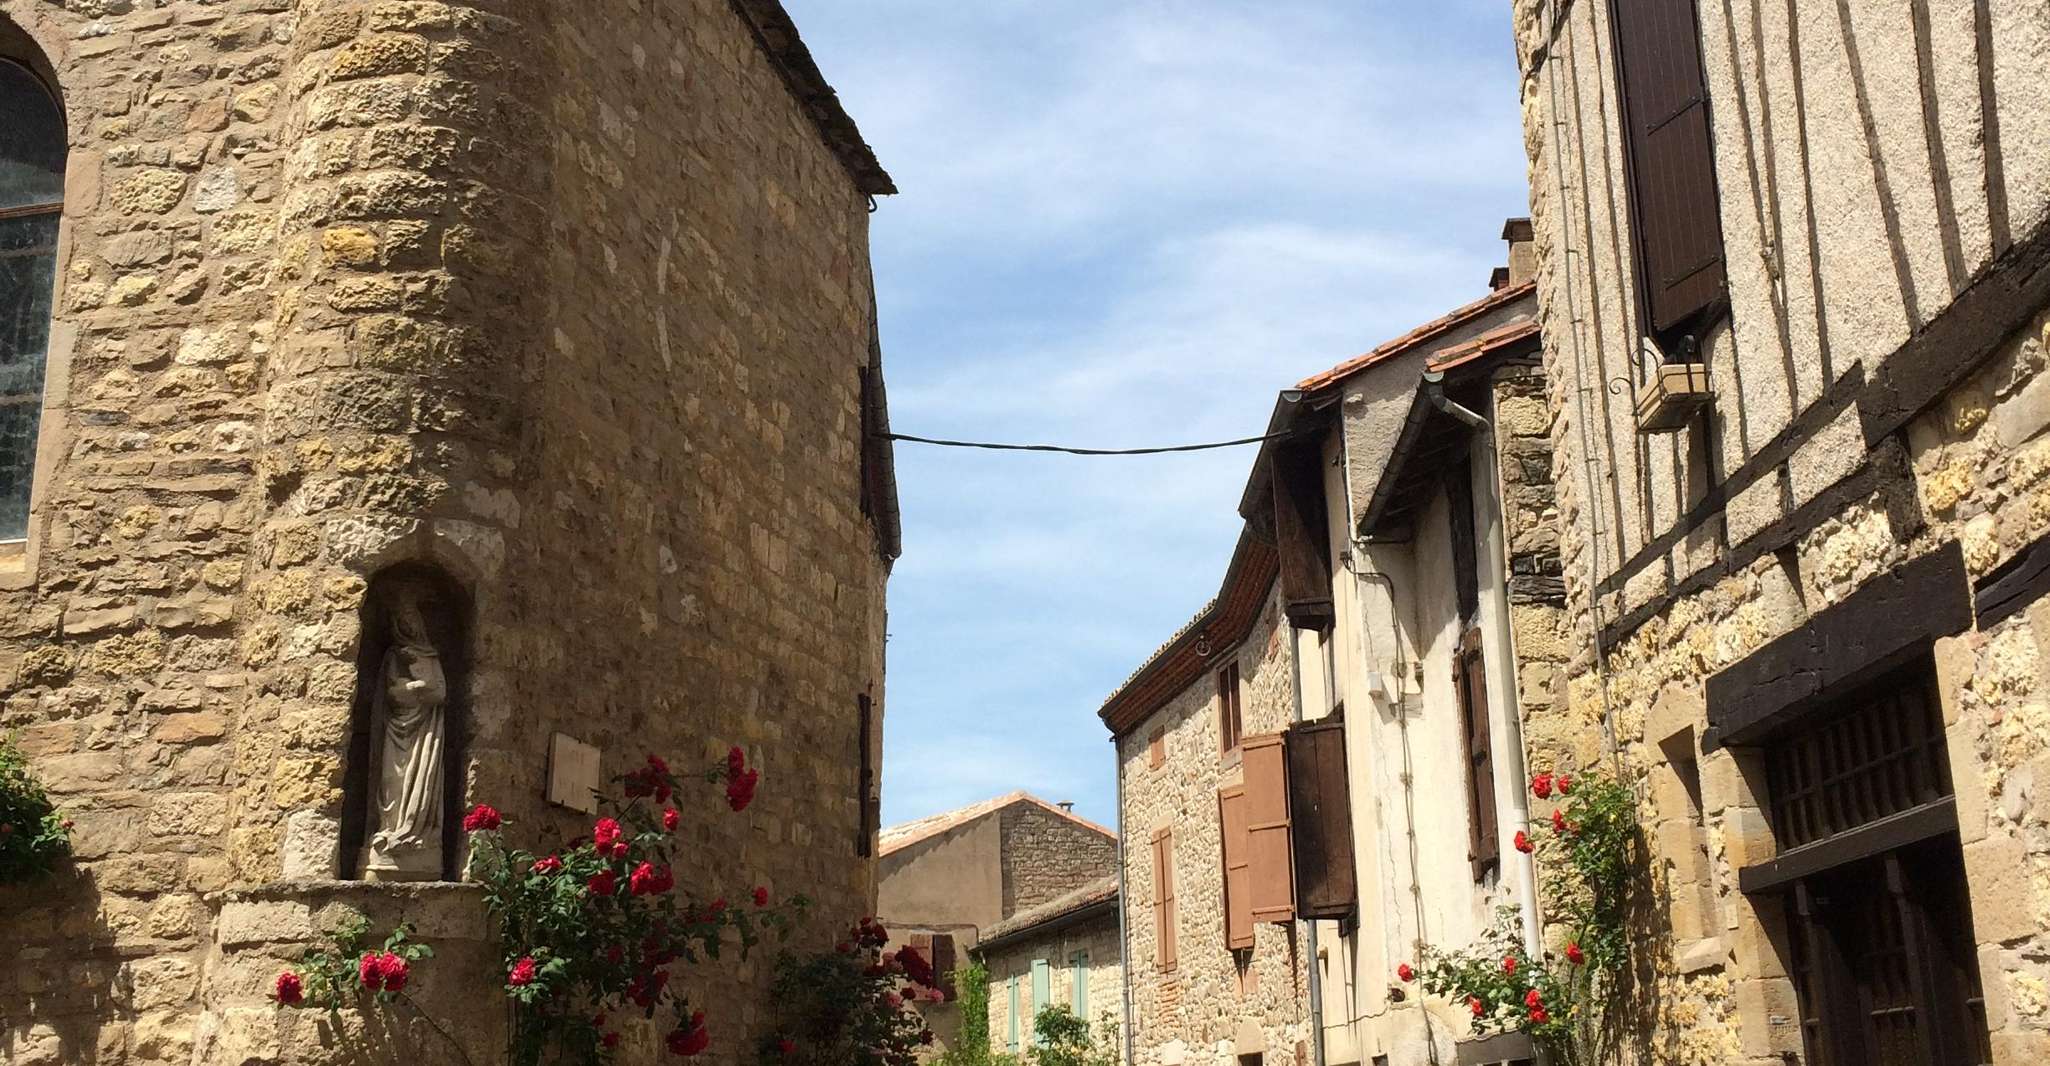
x=644, y=880
x=656, y=764
x=6, y=829
x=1523, y=843
x=671, y=819
x=370, y=971
x=610, y=1040
x=549, y=865
x=618, y=849
x=481, y=817
x=761, y=896
x=523, y=972
x=1541, y=786
x=395, y=971
x=1508, y=964
x=691, y=1039
x=736, y=761
x=1474, y=1004
x=915, y=965
x=604, y=884
x=1574, y=955
x=740, y=790
x=1405, y=973
x=605, y=834
x=1565, y=784
x=786, y=1046
x=1532, y=999
x=289, y=990
x=1538, y=1016
x=1559, y=821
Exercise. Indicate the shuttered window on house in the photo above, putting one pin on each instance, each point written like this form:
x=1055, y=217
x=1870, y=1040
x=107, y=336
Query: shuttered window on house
x=1156, y=749
x=1670, y=163
x=1163, y=899
x=1469, y=679
x=1320, y=814
x=871, y=797
x=1267, y=828
x=1238, y=869
x=1230, y=726
x=944, y=959
x=1301, y=537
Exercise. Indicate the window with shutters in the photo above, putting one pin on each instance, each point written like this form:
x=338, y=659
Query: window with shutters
x=1078, y=984
x=1469, y=680
x=870, y=797
x=944, y=960
x=1268, y=847
x=1238, y=869
x=1230, y=727
x=1669, y=161
x=1163, y=899
x=1881, y=948
x=1320, y=817
x=1156, y=748
x=1301, y=537
x=32, y=155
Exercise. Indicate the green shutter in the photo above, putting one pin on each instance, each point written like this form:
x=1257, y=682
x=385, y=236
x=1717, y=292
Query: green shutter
x=1012, y=981
x=1079, y=984
x=1042, y=980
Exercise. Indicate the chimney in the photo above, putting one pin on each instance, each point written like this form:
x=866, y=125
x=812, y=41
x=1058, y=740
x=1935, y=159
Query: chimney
x=1522, y=251
x=1066, y=805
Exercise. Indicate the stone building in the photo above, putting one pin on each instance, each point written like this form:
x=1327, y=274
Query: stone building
x=1791, y=272
x=945, y=881
x=531, y=350
x=1061, y=953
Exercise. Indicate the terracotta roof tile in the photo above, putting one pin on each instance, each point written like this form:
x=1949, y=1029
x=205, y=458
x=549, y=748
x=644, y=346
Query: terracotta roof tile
x=1434, y=328
x=1095, y=892
x=904, y=835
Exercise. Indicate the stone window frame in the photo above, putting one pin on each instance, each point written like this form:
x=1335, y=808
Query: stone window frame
x=19, y=559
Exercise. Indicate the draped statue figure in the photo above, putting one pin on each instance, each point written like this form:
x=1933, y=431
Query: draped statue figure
x=409, y=737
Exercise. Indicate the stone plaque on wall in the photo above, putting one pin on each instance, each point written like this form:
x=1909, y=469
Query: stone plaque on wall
x=572, y=774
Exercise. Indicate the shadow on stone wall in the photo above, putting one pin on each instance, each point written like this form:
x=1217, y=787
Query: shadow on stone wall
x=66, y=980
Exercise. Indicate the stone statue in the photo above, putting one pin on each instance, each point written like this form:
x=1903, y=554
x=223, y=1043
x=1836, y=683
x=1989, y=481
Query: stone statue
x=409, y=731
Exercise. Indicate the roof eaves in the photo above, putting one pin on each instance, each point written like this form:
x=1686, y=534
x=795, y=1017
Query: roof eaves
x=777, y=35
x=1437, y=327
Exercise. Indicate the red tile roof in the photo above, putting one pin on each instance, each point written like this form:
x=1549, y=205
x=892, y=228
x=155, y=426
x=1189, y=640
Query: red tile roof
x=1436, y=327
x=902, y=836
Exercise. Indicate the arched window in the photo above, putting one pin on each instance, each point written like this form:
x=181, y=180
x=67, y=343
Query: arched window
x=31, y=198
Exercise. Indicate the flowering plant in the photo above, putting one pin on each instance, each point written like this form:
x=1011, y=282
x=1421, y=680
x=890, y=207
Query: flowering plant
x=851, y=1006
x=1565, y=999
x=346, y=972
x=33, y=836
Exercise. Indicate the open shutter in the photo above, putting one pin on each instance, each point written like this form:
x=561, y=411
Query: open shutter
x=1320, y=812
x=1238, y=869
x=1470, y=678
x=1301, y=536
x=1671, y=159
x=1267, y=830
x=1163, y=899
x=943, y=962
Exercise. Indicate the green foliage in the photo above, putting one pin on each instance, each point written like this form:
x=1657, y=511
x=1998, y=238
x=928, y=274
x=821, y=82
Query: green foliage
x=850, y=1006
x=1064, y=1040
x=344, y=972
x=1568, y=1001
x=34, y=838
x=971, y=986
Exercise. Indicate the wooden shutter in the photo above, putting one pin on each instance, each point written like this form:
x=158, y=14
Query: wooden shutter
x=1301, y=536
x=1229, y=724
x=1238, y=869
x=1267, y=828
x=1320, y=812
x=1163, y=899
x=1156, y=749
x=871, y=801
x=1470, y=679
x=1670, y=159
x=943, y=962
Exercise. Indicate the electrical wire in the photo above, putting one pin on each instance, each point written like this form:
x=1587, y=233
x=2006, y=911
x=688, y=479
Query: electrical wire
x=1088, y=451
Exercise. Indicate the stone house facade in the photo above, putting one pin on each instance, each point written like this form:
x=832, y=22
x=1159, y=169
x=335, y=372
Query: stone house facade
x=1064, y=952
x=564, y=324
x=945, y=881
x=1791, y=279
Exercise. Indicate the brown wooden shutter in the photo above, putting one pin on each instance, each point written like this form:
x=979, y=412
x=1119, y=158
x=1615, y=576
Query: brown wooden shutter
x=871, y=801
x=1301, y=536
x=1470, y=679
x=1267, y=830
x=1156, y=749
x=1163, y=899
x=1671, y=159
x=1238, y=868
x=943, y=962
x=1320, y=812
x=1229, y=723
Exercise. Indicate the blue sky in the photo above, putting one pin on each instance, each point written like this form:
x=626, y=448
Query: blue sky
x=1129, y=223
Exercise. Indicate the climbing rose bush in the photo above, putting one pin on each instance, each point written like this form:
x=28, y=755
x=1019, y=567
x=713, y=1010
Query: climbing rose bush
x=1568, y=1000
x=34, y=837
x=592, y=932
x=852, y=1006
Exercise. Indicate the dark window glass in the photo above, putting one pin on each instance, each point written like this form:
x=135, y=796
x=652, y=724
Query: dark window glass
x=31, y=188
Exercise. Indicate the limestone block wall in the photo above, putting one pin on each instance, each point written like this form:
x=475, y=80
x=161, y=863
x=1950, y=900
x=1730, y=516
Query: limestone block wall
x=1196, y=1012
x=1097, y=940
x=1047, y=856
x=571, y=309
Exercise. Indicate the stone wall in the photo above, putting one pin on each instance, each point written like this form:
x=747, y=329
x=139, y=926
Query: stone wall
x=1200, y=1011
x=571, y=309
x=1097, y=941
x=1047, y=856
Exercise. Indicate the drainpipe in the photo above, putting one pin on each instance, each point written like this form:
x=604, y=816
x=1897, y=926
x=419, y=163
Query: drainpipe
x=1503, y=692
x=1124, y=905
x=1295, y=663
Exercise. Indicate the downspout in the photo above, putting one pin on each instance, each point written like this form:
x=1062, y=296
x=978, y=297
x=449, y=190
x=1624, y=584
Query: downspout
x=1504, y=694
x=1295, y=663
x=1124, y=908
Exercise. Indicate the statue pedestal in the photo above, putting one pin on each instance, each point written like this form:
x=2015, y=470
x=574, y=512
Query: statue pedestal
x=423, y=864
